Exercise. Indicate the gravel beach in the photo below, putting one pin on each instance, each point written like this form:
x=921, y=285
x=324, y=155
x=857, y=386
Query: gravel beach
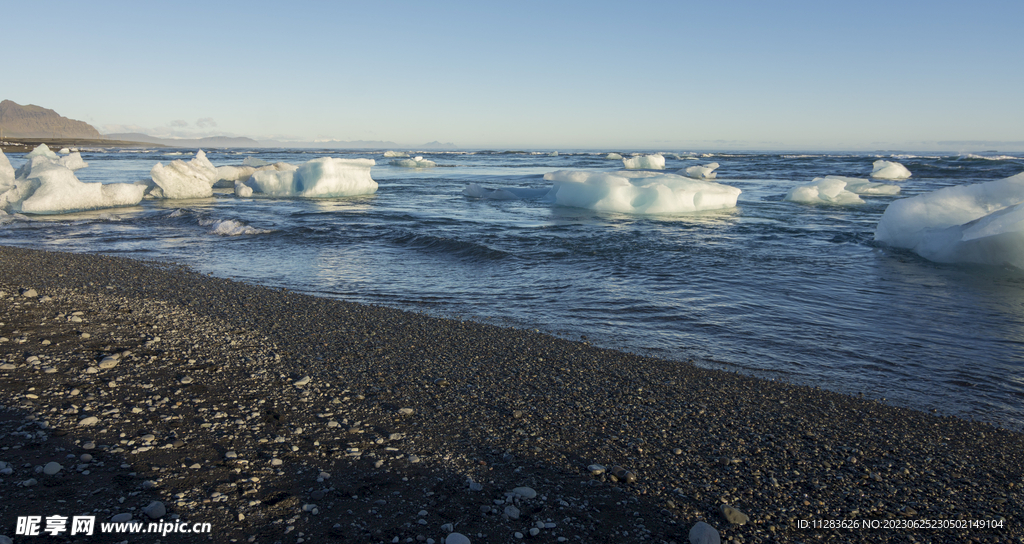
x=147, y=391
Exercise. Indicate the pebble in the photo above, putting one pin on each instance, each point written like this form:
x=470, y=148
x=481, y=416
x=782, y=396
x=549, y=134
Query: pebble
x=534, y=531
x=596, y=470
x=155, y=510
x=85, y=458
x=8, y=366
x=185, y=380
x=231, y=455
x=108, y=362
x=512, y=512
x=733, y=515
x=276, y=462
x=301, y=381
x=90, y=445
x=52, y=468
x=456, y=538
x=702, y=533
x=4, y=539
x=88, y=421
x=406, y=411
x=29, y=293
x=121, y=518
x=525, y=492
x=623, y=475
x=86, y=335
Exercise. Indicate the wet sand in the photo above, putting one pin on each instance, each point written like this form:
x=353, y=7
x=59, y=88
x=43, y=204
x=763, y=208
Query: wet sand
x=281, y=417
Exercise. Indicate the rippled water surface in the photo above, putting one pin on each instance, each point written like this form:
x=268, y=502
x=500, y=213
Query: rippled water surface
x=777, y=289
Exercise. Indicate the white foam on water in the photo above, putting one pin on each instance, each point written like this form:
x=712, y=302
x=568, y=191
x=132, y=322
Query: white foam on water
x=325, y=177
x=981, y=223
x=889, y=170
x=644, y=162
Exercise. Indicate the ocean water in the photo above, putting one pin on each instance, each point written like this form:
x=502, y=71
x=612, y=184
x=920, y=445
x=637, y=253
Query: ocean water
x=775, y=289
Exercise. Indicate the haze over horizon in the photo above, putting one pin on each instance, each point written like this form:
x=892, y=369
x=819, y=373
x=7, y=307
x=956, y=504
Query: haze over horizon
x=683, y=75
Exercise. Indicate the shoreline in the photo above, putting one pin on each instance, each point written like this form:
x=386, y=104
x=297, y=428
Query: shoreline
x=24, y=145
x=503, y=407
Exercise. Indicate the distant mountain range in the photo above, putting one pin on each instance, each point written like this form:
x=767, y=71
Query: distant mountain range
x=17, y=121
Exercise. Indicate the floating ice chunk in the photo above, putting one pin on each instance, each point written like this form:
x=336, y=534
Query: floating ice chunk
x=231, y=227
x=180, y=179
x=614, y=157
x=41, y=151
x=231, y=174
x=325, y=177
x=982, y=223
x=73, y=161
x=393, y=154
x=6, y=172
x=64, y=151
x=701, y=172
x=865, y=187
x=44, y=186
x=242, y=190
x=638, y=192
x=646, y=162
x=415, y=162
x=828, y=190
x=553, y=154
x=254, y=162
x=889, y=170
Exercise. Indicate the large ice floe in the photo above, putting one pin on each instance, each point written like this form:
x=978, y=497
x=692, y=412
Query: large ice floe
x=889, y=170
x=701, y=172
x=325, y=177
x=415, y=162
x=982, y=223
x=180, y=179
x=838, y=191
x=45, y=185
x=644, y=162
x=623, y=191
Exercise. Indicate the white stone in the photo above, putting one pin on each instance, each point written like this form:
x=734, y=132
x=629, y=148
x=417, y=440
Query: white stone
x=52, y=468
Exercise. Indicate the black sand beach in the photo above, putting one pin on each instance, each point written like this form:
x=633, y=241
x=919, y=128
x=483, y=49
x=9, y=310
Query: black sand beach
x=281, y=417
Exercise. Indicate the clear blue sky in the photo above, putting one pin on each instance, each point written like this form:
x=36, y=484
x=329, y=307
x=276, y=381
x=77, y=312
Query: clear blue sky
x=657, y=75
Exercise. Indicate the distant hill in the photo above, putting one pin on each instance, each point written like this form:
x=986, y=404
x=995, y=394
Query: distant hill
x=17, y=121
x=209, y=141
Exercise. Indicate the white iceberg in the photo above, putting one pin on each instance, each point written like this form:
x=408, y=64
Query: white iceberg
x=325, y=177
x=231, y=174
x=838, y=191
x=889, y=170
x=44, y=186
x=415, y=162
x=64, y=151
x=6, y=172
x=624, y=192
x=982, y=223
x=73, y=161
x=701, y=172
x=392, y=154
x=614, y=157
x=644, y=162
x=180, y=179
x=41, y=150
